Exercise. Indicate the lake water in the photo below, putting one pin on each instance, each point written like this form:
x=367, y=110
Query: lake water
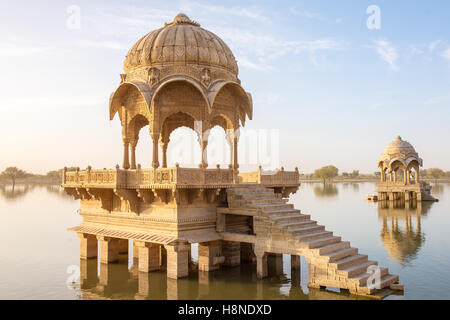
x=39, y=258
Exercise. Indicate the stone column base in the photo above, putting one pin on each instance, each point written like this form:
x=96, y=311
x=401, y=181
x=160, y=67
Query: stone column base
x=177, y=260
x=261, y=264
x=109, y=249
x=88, y=246
x=149, y=256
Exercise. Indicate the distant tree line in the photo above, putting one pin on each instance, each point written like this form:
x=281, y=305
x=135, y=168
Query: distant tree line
x=13, y=175
x=330, y=172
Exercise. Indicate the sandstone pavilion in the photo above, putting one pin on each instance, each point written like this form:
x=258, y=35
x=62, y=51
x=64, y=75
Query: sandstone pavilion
x=182, y=75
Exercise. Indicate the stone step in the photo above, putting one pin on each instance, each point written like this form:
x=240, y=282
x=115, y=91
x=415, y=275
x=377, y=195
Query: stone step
x=280, y=211
x=356, y=269
x=267, y=200
x=256, y=195
x=289, y=217
x=385, y=282
x=313, y=235
x=263, y=198
x=329, y=248
x=272, y=206
x=340, y=254
x=312, y=244
x=292, y=224
x=388, y=279
x=252, y=189
x=349, y=261
x=361, y=279
x=306, y=229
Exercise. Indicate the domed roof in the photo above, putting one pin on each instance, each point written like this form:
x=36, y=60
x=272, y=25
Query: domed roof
x=399, y=146
x=180, y=42
x=399, y=150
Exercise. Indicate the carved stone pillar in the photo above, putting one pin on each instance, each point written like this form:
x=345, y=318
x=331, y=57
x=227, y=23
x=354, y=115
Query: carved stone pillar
x=177, y=260
x=126, y=160
x=133, y=145
x=261, y=264
x=88, y=245
x=135, y=250
x=109, y=249
x=149, y=256
x=204, y=146
x=155, y=137
x=235, y=153
x=164, y=145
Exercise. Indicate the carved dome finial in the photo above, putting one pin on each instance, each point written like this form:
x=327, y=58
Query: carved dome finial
x=181, y=18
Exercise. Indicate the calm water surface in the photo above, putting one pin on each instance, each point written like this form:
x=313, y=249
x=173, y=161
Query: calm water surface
x=39, y=258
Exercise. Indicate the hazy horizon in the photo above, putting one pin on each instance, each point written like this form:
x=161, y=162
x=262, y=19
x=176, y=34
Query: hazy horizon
x=334, y=91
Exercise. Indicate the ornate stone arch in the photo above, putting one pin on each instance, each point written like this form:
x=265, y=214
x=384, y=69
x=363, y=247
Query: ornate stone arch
x=176, y=95
x=222, y=120
x=393, y=162
x=241, y=98
x=123, y=93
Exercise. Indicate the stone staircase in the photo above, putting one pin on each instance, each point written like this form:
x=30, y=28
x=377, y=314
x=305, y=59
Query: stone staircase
x=280, y=228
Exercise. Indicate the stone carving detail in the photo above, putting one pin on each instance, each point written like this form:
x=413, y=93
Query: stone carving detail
x=206, y=77
x=153, y=76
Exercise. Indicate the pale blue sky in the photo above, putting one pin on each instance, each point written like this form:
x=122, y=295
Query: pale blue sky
x=337, y=91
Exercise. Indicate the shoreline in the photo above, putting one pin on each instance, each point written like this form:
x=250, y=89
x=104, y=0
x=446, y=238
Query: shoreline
x=340, y=180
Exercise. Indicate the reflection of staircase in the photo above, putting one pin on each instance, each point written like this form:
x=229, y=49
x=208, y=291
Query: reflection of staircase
x=280, y=228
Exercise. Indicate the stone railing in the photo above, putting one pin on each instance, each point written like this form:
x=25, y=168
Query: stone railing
x=112, y=178
x=393, y=183
x=77, y=178
x=280, y=177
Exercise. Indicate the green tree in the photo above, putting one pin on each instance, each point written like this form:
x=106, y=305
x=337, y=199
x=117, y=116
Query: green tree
x=54, y=174
x=13, y=173
x=345, y=174
x=354, y=174
x=326, y=173
x=435, y=173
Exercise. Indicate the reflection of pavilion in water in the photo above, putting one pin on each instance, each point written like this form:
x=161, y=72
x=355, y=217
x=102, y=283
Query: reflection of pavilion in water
x=401, y=231
x=117, y=281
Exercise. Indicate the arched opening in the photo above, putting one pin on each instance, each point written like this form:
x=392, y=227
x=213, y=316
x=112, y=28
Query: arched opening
x=413, y=172
x=398, y=169
x=179, y=103
x=383, y=168
x=231, y=95
x=134, y=128
x=179, y=140
x=132, y=96
x=220, y=141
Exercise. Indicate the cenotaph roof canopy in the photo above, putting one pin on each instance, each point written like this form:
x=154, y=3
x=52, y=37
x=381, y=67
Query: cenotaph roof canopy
x=180, y=75
x=399, y=151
